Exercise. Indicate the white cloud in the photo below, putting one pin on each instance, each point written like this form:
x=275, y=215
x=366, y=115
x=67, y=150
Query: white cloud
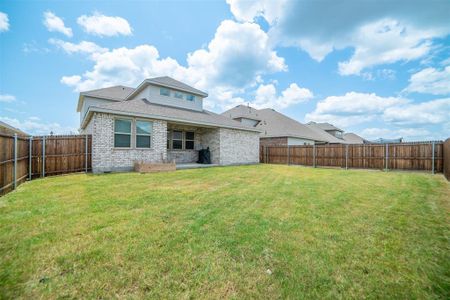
x=4, y=22
x=385, y=42
x=266, y=96
x=102, y=25
x=56, y=24
x=233, y=61
x=430, y=81
x=430, y=112
x=82, y=47
x=379, y=32
x=406, y=133
x=7, y=98
x=352, y=108
x=34, y=126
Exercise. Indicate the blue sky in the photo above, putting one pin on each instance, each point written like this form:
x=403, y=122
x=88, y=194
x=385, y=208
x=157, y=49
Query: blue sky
x=380, y=70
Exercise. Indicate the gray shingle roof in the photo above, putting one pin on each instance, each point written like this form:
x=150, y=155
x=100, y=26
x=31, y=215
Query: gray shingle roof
x=325, y=136
x=118, y=92
x=169, y=82
x=273, y=123
x=354, y=138
x=325, y=126
x=143, y=108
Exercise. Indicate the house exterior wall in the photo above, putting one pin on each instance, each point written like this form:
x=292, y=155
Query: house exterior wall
x=273, y=141
x=106, y=158
x=299, y=142
x=285, y=141
x=227, y=146
x=238, y=146
x=185, y=156
x=151, y=93
x=90, y=101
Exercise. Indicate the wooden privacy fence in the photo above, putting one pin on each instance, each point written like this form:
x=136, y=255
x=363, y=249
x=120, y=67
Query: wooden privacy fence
x=26, y=158
x=424, y=156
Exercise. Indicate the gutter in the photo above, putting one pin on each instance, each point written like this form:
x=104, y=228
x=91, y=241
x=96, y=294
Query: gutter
x=92, y=109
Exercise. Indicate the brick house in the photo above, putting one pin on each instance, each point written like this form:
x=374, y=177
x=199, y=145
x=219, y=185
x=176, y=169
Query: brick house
x=161, y=120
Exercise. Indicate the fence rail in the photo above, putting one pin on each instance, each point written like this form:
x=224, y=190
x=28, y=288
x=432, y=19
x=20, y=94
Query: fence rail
x=23, y=158
x=424, y=156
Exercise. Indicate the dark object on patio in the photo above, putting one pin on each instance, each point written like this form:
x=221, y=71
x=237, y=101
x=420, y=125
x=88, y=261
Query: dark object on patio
x=204, y=156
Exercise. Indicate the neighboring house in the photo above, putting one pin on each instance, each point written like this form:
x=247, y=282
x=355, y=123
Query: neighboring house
x=10, y=130
x=353, y=138
x=161, y=120
x=276, y=128
x=387, y=141
x=335, y=135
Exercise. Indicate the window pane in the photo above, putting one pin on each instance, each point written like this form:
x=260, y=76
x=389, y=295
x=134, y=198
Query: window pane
x=179, y=95
x=189, y=145
x=143, y=141
x=177, y=135
x=189, y=135
x=164, y=92
x=122, y=126
x=176, y=144
x=190, y=97
x=143, y=127
x=122, y=140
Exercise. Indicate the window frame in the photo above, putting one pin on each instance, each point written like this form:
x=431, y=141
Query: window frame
x=190, y=95
x=123, y=133
x=166, y=89
x=172, y=139
x=136, y=134
x=175, y=93
x=189, y=140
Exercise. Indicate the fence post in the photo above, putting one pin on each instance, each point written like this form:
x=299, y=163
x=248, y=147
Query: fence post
x=288, y=154
x=432, y=159
x=15, y=160
x=86, y=154
x=265, y=154
x=30, y=157
x=314, y=155
x=43, y=156
x=387, y=156
x=346, y=157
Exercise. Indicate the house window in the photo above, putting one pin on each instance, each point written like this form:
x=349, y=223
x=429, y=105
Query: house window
x=189, y=140
x=178, y=95
x=190, y=97
x=168, y=139
x=144, y=134
x=164, y=92
x=177, y=139
x=122, y=133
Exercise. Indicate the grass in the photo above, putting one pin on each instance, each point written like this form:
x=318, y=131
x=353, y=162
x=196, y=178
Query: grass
x=260, y=231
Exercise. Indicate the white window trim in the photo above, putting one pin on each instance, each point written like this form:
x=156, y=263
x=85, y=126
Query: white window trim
x=183, y=139
x=136, y=134
x=130, y=134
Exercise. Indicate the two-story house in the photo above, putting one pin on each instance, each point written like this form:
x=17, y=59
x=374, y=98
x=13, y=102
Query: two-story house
x=160, y=120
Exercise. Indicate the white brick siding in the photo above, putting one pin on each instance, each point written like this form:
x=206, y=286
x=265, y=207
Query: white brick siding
x=227, y=146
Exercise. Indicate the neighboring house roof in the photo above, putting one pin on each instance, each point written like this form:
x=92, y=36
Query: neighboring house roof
x=169, y=82
x=273, y=123
x=115, y=93
x=143, y=108
x=10, y=130
x=325, y=136
x=387, y=141
x=353, y=138
x=325, y=126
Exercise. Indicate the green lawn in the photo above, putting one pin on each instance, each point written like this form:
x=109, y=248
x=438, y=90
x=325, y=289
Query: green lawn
x=260, y=231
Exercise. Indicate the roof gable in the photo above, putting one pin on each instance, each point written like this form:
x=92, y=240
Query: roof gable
x=166, y=81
